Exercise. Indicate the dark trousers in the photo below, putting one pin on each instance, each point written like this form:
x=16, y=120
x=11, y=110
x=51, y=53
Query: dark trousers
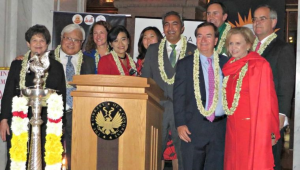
x=277, y=150
x=205, y=152
x=169, y=125
x=68, y=137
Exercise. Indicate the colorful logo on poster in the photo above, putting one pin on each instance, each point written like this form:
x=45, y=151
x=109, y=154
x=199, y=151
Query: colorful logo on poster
x=88, y=19
x=77, y=19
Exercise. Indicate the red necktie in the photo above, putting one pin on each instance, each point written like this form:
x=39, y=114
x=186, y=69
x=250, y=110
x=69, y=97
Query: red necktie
x=257, y=47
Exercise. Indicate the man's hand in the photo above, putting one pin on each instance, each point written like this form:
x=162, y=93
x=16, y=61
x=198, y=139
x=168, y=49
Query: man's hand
x=184, y=133
x=20, y=57
x=4, y=129
x=281, y=121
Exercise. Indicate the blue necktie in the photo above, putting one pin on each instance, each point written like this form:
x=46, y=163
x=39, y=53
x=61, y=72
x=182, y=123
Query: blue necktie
x=70, y=71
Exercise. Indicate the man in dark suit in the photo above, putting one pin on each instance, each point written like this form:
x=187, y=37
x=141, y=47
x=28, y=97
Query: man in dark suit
x=72, y=37
x=199, y=116
x=281, y=57
x=160, y=63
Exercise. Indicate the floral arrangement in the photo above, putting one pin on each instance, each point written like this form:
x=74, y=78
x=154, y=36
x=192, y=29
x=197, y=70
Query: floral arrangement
x=19, y=127
x=53, y=147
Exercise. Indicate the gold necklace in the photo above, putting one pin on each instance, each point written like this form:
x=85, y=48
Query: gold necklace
x=118, y=63
x=78, y=67
x=237, y=93
x=197, y=84
x=24, y=71
x=265, y=44
x=161, y=66
x=223, y=38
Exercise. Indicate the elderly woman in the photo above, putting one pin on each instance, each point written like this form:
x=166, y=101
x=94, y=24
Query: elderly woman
x=38, y=39
x=97, y=45
x=118, y=61
x=250, y=101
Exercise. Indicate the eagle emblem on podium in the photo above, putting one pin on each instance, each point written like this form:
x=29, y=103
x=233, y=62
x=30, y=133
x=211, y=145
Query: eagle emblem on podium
x=108, y=120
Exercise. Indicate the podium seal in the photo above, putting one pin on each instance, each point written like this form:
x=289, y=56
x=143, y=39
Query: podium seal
x=108, y=120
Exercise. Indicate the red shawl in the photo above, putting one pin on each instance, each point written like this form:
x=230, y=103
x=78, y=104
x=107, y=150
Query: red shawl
x=263, y=109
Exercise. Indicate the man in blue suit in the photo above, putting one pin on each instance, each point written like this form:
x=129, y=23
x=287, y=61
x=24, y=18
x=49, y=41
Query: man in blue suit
x=199, y=116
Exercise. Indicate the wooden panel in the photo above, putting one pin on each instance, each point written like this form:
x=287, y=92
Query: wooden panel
x=111, y=95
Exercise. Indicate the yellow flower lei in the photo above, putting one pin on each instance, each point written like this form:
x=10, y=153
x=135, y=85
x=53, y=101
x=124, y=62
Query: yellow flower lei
x=19, y=127
x=24, y=71
x=78, y=67
x=265, y=44
x=197, y=84
x=223, y=38
x=118, y=63
x=238, y=88
x=53, y=145
x=161, y=66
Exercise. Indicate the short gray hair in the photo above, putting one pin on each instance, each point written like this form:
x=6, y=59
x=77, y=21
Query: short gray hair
x=71, y=27
x=273, y=13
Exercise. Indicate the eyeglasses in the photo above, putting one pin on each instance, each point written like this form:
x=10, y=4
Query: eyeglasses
x=260, y=19
x=73, y=40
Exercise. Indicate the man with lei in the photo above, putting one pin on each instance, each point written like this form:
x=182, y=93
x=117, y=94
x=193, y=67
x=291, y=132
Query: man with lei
x=160, y=63
x=217, y=13
x=282, y=59
x=74, y=63
x=199, y=116
x=15, y=113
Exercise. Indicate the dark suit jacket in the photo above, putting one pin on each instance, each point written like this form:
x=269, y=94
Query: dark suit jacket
x=55, y=80
x=150, y=68
x=88, y=64
x=185, y=107
x=281, y=57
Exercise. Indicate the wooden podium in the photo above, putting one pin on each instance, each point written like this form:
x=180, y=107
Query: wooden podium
x=139, y=147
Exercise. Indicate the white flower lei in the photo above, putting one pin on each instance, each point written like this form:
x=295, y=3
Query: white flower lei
x=78, y=67
x=118, y=63
x=197, y=84
x=161, y=66
x=24, y=71
x=238, y=89
x=97, y=56
x=223, y=38
x=265, y=44
x=19, y=126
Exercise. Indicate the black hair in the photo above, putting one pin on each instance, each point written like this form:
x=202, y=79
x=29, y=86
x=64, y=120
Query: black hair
x=172, y=13
x=142, y=50
x=225, y=11
x=114, y=32
x=38, y=30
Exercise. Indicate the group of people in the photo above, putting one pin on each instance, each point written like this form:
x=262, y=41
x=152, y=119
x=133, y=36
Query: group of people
x=227, y=98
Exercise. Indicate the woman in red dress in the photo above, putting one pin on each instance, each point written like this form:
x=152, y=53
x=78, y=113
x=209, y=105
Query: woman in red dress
x=249, y=100
x=118, y=61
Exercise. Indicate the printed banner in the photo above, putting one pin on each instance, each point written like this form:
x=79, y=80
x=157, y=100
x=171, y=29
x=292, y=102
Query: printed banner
x=3, y=77
x=86, y=20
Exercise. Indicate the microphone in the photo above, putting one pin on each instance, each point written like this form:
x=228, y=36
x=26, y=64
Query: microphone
x=132, y=72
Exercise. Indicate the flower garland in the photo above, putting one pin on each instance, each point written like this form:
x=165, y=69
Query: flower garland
x=265, y=44
x=118, y=63
x=197, y=84
x=161, y=66
x=53, y=146
x=78, y=67
x=223, y=38
x=97, y=56
x=238, y=88
x=19, y=127
x=24, y=71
